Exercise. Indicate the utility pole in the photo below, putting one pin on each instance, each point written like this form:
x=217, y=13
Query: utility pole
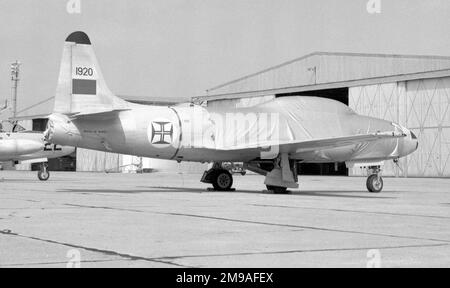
x=15, y=72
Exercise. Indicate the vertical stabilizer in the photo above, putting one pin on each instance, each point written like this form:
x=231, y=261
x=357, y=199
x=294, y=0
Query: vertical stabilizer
x=81, y=87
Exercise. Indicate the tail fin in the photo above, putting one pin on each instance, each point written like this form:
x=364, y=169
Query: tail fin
x=81, y=87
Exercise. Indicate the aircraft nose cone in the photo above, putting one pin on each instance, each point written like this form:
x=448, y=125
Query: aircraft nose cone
x=29, y=146
x=11, y=148
x=406, y=144
x=414, y=138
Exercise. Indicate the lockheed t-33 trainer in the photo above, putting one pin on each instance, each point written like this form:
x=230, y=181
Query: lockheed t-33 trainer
x=30, y=147
x=270, y=138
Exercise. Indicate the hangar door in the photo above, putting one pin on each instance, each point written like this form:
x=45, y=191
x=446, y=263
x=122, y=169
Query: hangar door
x=420, y=105
x=379, y=101
x=427, y=114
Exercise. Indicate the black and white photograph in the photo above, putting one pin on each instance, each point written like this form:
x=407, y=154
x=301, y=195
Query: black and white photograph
x=251, y=135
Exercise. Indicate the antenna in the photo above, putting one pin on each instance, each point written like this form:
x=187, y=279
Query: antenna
x=314, y=70
x=15, y=72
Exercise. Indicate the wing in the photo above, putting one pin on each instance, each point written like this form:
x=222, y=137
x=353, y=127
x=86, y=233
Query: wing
x=297, y=146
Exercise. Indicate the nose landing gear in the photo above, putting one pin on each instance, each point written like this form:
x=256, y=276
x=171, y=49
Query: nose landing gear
x=374, y=182
x=43, y=173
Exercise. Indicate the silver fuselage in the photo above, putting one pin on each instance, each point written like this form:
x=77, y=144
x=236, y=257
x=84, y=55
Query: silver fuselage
x=22, y=146
x=194, y=133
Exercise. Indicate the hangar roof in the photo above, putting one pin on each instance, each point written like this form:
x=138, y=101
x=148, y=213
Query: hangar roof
x=324, y=70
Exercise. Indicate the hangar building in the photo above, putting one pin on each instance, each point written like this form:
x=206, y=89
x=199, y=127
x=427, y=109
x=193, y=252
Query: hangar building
x=411, y=90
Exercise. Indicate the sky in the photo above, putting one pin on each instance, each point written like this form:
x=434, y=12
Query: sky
x=180, y=48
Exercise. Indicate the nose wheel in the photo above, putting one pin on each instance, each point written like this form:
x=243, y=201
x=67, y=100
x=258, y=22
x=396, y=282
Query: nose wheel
x=374, y=182
x=43, y=173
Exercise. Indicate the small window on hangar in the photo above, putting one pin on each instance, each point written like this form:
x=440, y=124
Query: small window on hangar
x=39, y=124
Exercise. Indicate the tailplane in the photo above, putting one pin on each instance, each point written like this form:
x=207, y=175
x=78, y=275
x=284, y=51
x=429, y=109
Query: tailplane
x=81, y=87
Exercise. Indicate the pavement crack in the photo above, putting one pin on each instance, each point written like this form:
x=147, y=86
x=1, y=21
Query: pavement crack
x=52, y=263
x=266, y=223
x=353, y=211
x=307, y=227
x=304, y=251
x=90, y=249
x=105, y=208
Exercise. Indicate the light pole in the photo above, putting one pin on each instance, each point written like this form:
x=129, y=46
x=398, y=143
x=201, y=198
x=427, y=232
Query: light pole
x=15, y=72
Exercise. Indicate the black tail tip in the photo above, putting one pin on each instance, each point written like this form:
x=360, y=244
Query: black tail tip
x=79, y=37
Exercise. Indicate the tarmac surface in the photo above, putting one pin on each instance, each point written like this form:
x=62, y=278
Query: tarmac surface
x=171, y=220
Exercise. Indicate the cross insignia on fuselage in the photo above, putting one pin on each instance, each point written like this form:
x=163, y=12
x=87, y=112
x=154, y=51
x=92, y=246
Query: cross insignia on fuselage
x=162, y=132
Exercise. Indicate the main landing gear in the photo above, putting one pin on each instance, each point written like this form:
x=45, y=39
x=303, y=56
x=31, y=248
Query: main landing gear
x=277, y=189
x=282, y=176
x=374, y=182
x=220, y=178
x=43, y=173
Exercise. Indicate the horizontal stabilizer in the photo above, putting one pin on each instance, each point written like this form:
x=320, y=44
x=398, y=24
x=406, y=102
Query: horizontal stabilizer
x=97, y=115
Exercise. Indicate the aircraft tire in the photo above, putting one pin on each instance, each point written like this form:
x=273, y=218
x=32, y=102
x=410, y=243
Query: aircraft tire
x=223, y=180
x=277, y=189
x=374, y=183
x=43, y=175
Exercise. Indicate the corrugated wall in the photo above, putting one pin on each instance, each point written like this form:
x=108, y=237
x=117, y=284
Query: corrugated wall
x=427, y=113
x=380, y=101
x=423, y=107
x=173, y=166
x=96, y=161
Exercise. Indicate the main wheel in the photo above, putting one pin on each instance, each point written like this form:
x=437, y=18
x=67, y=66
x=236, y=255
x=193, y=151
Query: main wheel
x=223, y=180
x=374, y=183
x=277, y=189
x=43, y=175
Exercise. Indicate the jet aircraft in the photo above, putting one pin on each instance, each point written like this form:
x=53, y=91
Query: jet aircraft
x=270, y=138
x=30, y=147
